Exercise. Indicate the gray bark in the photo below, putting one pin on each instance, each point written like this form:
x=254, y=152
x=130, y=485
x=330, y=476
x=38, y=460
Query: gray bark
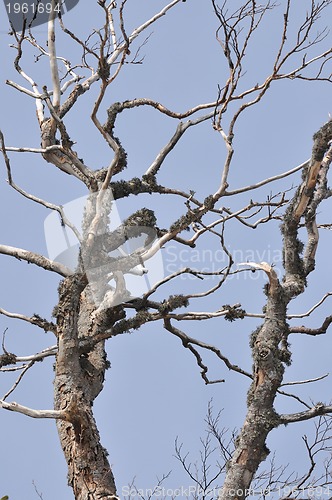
x=78, y=381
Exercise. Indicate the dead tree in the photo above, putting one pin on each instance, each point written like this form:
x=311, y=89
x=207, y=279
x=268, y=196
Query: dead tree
x=94, y=304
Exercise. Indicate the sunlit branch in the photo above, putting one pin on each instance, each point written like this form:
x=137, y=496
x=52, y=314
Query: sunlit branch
x=270, y=272
x=111, y=25
x=123, y=46
x=37, y=259
x=29, y=412
x=66, y=63
x=180, y=130
x=50, y=351
x=197, y=316
x=35, y=93
x=53, y=59
x=308, y=381
x=267, y=181
x=303, y=315
x=315, y=411
x=55, y=147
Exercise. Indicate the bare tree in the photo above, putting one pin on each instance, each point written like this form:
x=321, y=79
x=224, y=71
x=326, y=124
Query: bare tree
x=95, y=303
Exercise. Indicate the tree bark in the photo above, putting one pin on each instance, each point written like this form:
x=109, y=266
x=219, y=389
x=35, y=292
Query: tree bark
x=269, y=353
x=78, y=381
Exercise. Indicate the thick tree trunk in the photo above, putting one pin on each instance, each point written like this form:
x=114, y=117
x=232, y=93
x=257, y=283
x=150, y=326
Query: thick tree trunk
x=78, y=380
x=269, y=349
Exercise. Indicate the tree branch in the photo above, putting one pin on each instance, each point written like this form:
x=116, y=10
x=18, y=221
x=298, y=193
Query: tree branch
x=37, y=259
x=29, y=412
x=312, y=331
x=315, y=411
x=36, y=320
x=187, y=341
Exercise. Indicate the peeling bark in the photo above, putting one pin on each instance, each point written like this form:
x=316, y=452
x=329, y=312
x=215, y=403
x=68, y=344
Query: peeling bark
x=65, y=159
x=261, y=418
x=78, y=381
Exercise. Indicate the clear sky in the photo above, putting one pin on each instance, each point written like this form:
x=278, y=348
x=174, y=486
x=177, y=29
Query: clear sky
x=154, y=391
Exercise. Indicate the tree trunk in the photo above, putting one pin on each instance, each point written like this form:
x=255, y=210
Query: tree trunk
x=79, y=379
x=269, y=350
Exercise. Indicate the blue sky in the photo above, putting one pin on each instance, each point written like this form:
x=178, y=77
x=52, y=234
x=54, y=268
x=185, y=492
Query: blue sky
x=154, y=391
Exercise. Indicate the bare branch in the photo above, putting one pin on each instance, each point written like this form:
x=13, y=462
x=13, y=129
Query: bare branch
x=16, y=383
x=142, y=101
x=297, y=398
x=267, y=181
x=36, y=93
x=312, y=309
x=305, y=381
x=187, y=341
x=45, y=353
x=53, y=59
x=36, y=320
x=315, y=411
x=37, y=259
x=312, y=331
x=122, y=47
x=268, y=269
x=31, y=197
x=29, y=412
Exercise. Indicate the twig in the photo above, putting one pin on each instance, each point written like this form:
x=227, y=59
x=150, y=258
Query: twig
x=251, y=187
x=187, y=341
x=308, y=381
x=312, y=309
